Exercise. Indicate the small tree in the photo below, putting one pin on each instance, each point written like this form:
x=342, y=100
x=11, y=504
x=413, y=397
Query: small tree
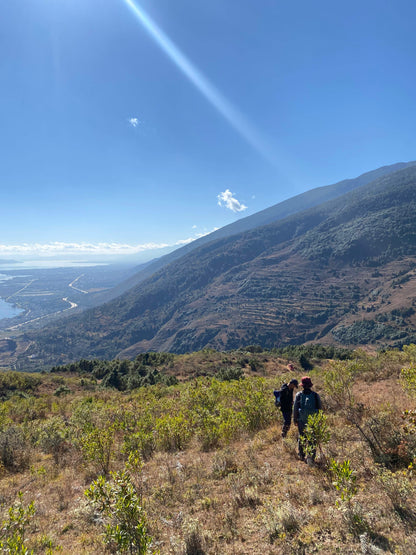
x=305, y=363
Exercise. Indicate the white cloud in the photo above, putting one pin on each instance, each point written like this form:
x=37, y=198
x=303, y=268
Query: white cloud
x=134, y=122
x=59, y=248
x=227, y=199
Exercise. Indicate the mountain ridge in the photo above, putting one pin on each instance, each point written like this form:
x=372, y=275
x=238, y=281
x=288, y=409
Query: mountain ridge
x=278, y=211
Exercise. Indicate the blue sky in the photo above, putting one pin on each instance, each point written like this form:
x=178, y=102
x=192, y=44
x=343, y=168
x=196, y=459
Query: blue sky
x=130, y=125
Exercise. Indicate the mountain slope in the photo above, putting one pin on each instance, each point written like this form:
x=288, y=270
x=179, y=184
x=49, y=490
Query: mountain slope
x=312, y=276
x=279, y=211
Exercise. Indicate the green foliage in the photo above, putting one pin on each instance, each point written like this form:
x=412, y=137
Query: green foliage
x=14, y=449
x=229, y=374
x=123, y=375
x=172, y=432
x=345, y=480
x=52, y=436
x=120, y=503
x=11, y=382
x=93, y=430
x=316, y=434
x=62, y=390
x=408, y=374
x=13, y=529
x=314, y=351
x=388, y=441
x=305, y=363
x=401, y=491
x=409, y=379
x=338, y=382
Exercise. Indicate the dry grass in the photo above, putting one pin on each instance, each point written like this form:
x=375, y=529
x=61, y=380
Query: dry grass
x=252, y=496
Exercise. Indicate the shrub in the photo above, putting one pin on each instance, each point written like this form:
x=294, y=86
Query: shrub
x=172, y=432
x=13, y=529
x=121, y=505
x=399, y=488
x=194, y=541
x=305, y=363
x=14, y=449
x=229, y=374
x=281, y=521
x=316, y=434
x=344, y=480
x=52, y=437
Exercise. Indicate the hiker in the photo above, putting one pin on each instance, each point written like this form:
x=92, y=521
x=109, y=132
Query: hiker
x=285, y=395
x=306, y=402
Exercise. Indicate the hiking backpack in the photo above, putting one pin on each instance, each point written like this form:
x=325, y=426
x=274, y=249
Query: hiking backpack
x=308, y=405
x=276, y=394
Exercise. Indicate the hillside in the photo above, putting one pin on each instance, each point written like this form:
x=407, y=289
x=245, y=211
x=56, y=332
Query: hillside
x=279, y=211
x=199, y=467
x=342, y=272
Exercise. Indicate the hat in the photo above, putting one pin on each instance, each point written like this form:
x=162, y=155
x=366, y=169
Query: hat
x=295, y=382
x=306, y=382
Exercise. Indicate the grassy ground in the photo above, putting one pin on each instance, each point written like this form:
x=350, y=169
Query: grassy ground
x=241, y=491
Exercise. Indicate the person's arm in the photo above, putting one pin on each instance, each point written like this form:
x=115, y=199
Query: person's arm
x=318, y=401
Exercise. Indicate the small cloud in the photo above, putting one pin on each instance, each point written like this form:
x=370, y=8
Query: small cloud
x=227, y=199
x=194, y=227
x=134, y=122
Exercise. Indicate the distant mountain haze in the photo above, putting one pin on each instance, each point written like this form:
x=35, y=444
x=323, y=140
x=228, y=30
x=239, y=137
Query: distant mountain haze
x=342, y=271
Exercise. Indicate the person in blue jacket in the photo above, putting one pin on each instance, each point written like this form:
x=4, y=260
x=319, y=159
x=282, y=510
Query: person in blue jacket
x=307, y=402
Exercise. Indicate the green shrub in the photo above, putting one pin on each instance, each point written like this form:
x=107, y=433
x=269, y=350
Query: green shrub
x=172, y=432
x=13, y=529
x=120, y=504
x=14, y=449
x=229, y=374
x=52, y=437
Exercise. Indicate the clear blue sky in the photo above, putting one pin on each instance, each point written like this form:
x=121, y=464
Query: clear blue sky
x=152, y=122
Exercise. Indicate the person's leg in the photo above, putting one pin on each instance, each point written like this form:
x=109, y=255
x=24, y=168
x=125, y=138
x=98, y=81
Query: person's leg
x=287, y=418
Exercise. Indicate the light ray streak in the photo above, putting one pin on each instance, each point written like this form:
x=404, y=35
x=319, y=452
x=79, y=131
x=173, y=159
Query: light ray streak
x=223, y=106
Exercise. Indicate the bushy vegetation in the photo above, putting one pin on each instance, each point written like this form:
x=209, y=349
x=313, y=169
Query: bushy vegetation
x=146, y=369
x=199, y=466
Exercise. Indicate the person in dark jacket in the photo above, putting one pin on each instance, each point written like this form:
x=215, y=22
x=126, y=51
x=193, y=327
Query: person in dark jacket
x=307, y=402
x=286, y=404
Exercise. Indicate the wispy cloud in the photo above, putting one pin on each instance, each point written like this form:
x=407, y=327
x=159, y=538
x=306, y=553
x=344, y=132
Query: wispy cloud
x=59, y=248
x=227, y=199
x=134, y=122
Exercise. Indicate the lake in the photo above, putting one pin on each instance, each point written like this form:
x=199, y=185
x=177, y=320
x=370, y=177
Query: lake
x=7, y=310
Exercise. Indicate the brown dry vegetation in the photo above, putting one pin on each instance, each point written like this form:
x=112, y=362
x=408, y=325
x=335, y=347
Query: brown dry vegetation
x=247, y=493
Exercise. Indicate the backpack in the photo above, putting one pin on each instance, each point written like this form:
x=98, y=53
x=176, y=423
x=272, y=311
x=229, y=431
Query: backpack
x=276, y=394
x=308, y=405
